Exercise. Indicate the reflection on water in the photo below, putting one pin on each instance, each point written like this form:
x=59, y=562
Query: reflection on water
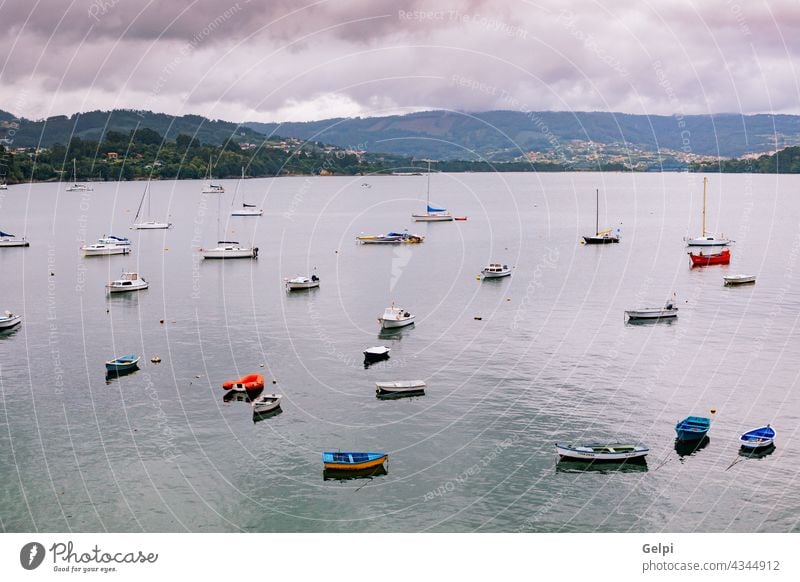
x=648, y=322
x=339, y=475
x=394, y=333
x=689, y=448
x=111, y=376
x=397, y=396
x=259, y=416
x=629, y=466
x=758, y=453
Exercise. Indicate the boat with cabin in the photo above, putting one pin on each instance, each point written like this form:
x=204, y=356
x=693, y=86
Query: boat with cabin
x=432, y=213
x=129, y=281
x=601, y=237
x=144, y=221
x=496, y=271
x=302, y=282
x=395, y=317
x=102, y=249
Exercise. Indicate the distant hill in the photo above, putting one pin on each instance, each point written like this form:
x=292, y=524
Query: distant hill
x=93, y=125
x=503, y=135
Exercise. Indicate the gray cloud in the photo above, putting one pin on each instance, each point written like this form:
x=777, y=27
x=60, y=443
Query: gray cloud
x=301, y=60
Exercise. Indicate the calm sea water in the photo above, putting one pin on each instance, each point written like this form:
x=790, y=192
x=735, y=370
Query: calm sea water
x=551, y=359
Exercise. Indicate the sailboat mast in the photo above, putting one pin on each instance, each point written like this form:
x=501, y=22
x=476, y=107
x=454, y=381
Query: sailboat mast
x=597, y=212
x=705, y=181
x=428, y=195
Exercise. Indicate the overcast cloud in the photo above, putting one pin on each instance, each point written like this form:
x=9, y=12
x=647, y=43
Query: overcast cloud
x=294, y=61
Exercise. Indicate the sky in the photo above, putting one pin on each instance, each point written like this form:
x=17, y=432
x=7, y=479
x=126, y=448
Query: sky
x=282, y=60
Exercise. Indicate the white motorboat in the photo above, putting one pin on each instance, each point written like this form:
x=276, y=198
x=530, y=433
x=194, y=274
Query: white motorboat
x=209, y=187
x=3, y=186
x=128, y=282
x=246, y=209
x=302, y=283
x=100, y=249
x=395, y=317
x=77, y=186
x=266, y=403
x=230, y=250
x=432, y=213
x=707, y=239
x=731, y=280
x=601, y=452
x=9, y=240
x=652, y=313
x=142, y=223
x=495, y=271
x=400, y=387
x=9, y=320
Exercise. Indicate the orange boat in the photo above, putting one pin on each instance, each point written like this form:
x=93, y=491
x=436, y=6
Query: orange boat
x=702, y=260
x=249, y=382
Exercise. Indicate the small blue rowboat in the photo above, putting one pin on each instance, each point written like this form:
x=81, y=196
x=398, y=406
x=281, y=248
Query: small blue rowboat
x=692, y=428
x=758, y=437
x=123, y=363
x=347, y=461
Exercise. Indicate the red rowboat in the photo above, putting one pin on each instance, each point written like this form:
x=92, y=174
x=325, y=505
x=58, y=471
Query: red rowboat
x=701, y=259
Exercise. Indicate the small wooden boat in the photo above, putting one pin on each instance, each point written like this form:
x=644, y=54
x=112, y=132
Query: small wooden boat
x=349, y=461
x=495, y=271
x=9, y=240
x=266, y=403
x=128, y=282
x=376, y=353
x=758, y=437
x=614, y=452
x=250, y=382
x=692, y=428
x=395, y=317
x=653, y=313
x=302, y=283
x=732, y=280
x=123, y=363
x=703, y=260
x=9, y=320
x=400, y=387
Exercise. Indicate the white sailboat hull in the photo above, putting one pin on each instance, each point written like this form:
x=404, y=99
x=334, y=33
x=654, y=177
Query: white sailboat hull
x=14, y=242
x=707, y=242
x=229, y=253
x=104, y=250
x=151, y=225
x=432, y=217
x=246, y=212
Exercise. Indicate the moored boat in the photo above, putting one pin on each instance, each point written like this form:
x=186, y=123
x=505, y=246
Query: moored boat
x=653, y=313
x=149, y=223
x=600, y=237
x=757, y=438
x=246, y=209
x=302, y=283
x=395, y=317
x=9, y=320
x=10, y=240
x=101, y=249
x=228, y=249
x=248, y=383
x=432, y=213
x=594, y=452
x=400, y=387
x=129, y=281
x=732, y=280
x=692, y=428
x=390, y=238
x=353, y=461
x=706, y=239
x=703, y=260
x=266, y=403
x=123, y=363
x=495, y=271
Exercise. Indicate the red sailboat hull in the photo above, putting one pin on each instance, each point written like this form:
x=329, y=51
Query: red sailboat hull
x=702, y=260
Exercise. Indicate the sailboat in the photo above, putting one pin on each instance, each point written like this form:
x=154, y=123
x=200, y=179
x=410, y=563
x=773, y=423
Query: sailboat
x=707, y=239
x=246, y=209
x=432, y=214
x=209, y=187
x=76, y=186
x=142, y=223
x=228, y=249
x=600, y=237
